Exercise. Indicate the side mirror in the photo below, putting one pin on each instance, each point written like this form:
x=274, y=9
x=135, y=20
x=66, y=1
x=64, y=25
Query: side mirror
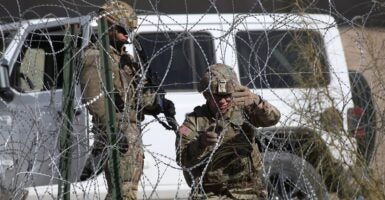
x=5, y=89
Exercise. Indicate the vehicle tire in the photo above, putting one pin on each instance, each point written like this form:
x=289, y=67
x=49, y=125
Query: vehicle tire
x=291, y=177
x=362, y=97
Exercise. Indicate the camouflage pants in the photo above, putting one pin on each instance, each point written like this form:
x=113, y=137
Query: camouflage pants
x=129, y=145
x=131, y=162
x=234, y=194
x=129, y=141
x=256, y=189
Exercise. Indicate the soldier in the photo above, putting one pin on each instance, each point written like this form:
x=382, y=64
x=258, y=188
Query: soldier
x=216, y=143
x=121, y=20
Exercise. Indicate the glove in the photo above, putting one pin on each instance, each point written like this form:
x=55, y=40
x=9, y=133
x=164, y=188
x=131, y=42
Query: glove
x=169, y=108
x=244, y=97
x=210, y=136
x=169, y=113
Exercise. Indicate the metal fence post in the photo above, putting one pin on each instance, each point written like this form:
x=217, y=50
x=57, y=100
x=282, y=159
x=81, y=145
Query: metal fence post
x=113, y=160
x=67, y=114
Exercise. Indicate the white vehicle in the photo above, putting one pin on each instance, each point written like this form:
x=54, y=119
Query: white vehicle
x=296, y=62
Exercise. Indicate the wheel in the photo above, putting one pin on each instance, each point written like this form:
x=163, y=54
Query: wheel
x=362, y=98
x=291, y=177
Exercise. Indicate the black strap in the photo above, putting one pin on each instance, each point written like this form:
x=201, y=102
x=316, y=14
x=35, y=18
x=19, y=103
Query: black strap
x=171, y=127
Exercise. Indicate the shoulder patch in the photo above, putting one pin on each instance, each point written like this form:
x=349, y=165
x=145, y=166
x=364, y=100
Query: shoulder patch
x=184, y=130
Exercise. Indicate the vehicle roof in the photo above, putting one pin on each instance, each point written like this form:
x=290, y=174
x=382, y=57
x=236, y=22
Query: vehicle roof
x=206, y=18
x=47, y=21
x=268, y=18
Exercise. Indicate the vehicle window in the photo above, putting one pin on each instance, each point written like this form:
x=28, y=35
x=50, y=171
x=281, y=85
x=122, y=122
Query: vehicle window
x=281, y=59
x=39, y=66
x=179, y=58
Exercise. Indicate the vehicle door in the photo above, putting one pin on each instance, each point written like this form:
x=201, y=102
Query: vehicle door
x=31, y=122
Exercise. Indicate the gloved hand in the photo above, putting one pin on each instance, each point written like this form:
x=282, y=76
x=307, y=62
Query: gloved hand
x=244, y=97
x=210, y=136
x=169, y=113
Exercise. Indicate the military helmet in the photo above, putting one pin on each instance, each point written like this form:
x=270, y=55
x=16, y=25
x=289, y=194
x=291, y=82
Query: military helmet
x=219, y=79
x=119, y=13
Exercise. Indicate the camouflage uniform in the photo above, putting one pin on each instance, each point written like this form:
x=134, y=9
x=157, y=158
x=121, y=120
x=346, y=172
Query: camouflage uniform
x=125, y=79
x=234, y=168
x=131, y=157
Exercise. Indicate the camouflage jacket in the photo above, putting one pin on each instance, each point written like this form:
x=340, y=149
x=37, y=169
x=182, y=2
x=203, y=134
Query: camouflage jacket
x=125, y=79
x=236, y=161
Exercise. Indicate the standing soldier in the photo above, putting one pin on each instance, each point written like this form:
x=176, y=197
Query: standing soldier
x=121, y=20
x=216, y=142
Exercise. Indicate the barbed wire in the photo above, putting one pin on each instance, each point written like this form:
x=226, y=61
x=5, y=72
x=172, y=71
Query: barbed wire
x=335, y=148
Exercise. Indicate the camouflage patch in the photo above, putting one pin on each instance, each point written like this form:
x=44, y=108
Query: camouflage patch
x=184, y=130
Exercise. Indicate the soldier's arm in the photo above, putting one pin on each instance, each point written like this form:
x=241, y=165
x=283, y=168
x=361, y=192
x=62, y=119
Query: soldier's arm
x=263, y=114
x=90, y=82
x=258, y=111
x=189, y=150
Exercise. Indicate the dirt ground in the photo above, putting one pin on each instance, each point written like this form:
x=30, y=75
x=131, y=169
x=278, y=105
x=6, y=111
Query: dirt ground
x=365, y=52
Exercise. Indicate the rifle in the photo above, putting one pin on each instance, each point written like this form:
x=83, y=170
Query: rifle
x=162, y=104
